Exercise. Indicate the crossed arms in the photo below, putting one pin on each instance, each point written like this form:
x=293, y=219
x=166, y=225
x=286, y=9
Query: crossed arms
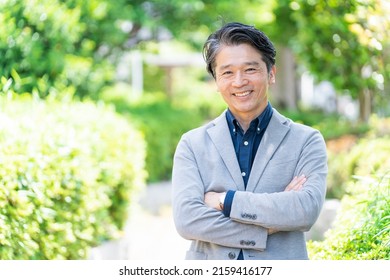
x=283, y=200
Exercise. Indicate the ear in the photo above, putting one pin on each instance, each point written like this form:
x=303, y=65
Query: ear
x=272, y=75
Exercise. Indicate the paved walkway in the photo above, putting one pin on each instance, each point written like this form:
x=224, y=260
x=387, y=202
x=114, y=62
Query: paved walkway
x=151, y=235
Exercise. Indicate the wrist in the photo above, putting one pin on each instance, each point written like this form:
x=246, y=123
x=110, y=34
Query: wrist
x=222, y=201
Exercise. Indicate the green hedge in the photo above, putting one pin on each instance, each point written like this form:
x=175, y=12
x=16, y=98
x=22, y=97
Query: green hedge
x=67, y=172
x=361, y=177
x=362, y=227
x=370, y=155
x=162, y=123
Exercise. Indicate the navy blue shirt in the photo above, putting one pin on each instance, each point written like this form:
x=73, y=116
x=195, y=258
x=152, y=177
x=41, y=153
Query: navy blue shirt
x=245, y=146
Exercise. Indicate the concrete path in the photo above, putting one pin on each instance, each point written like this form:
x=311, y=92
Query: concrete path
x=151, y=235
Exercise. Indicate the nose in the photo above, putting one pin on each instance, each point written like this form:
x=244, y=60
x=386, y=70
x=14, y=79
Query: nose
x=239, y=80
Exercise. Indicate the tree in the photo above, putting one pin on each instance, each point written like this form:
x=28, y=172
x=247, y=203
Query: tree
x=50, y=46
x=344, y=42
x=193, y=20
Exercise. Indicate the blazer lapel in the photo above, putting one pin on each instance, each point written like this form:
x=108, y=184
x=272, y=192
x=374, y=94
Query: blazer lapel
x=273, y=136
x=222, y=140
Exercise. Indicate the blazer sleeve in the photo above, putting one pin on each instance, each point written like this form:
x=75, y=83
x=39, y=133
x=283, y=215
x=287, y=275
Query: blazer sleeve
x=196, y=221
x=292, y=210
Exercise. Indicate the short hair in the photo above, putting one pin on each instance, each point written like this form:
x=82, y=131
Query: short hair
x=232, y=34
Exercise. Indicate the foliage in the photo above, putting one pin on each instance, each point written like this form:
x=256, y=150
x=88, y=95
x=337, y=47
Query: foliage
x=192, y=88
x=360, y=176
x=369, y=156
x=344, y=42
x=379, y=127
x=193, y=20
x=160, y=120
x=48, y=46
x=67, y=174
x=362, y=227
x=330, y=125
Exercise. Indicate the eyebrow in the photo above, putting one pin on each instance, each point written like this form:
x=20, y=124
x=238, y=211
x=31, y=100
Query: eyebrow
x=249, y=63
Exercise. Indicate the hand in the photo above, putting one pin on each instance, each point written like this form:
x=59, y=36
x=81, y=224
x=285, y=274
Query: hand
x=211, y=199
x=296, y=184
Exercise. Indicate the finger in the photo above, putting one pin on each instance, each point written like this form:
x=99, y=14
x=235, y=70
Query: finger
x=301, y=180
x=291, y=184
x=297, y=183
x=294, y=182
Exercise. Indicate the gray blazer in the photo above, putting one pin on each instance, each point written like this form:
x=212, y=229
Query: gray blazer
x=205, y=161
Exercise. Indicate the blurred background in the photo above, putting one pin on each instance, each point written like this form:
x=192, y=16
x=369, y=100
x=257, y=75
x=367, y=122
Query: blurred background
x=94, y=96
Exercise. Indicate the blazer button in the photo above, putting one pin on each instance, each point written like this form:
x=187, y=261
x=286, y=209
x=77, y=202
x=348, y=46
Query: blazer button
x=232, y=255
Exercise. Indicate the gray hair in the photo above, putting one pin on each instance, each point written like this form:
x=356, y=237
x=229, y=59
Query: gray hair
x=233, y=34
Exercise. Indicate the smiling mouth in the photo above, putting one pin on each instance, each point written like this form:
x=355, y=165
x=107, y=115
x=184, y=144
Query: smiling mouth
x=242, y=94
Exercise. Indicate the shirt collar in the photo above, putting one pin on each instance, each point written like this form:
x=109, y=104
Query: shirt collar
x=262, y=120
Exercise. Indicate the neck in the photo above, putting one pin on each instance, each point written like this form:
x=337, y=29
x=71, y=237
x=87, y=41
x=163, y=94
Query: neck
x=245, y=119
x=244, y=123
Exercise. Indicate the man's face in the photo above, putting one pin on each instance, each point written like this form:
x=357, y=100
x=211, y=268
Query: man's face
x=243, y=80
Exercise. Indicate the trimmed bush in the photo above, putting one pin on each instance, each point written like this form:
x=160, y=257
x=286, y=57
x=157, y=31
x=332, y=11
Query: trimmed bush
x=67, y=173
x=362, y=227
x=369, y=156
x=361, y=177
x=162, y=123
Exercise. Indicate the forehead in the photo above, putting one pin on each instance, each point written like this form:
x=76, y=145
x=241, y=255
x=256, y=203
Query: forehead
x=235, y=55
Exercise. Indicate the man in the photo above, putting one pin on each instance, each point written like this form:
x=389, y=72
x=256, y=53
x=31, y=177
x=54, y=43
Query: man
x=248, y=184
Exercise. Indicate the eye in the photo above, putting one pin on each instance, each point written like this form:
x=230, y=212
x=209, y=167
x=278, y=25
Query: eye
x=250, y=70
x=227, y=73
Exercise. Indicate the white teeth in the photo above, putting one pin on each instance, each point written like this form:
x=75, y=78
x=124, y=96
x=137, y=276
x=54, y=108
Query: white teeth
x=242, y=94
